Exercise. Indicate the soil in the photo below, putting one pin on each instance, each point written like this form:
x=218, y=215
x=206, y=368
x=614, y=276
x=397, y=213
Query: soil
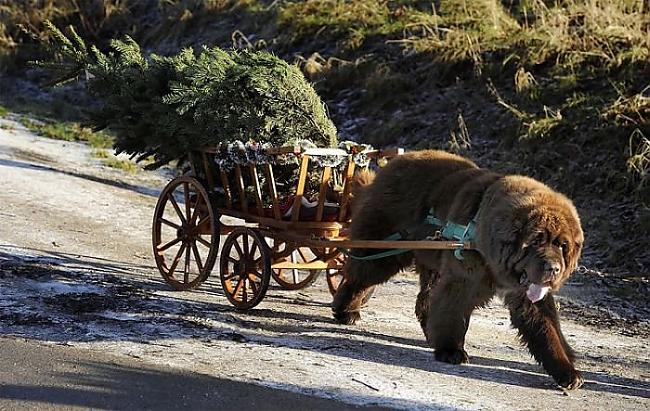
x=76, y=268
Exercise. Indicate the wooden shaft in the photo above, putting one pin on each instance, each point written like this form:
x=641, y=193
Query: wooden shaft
x=268, y=170
x=256, y=187
x=324, y=184
x=300, y=190
x=379, y=244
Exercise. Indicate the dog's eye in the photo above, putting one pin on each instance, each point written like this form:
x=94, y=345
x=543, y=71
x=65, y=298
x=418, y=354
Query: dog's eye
x=563, y=245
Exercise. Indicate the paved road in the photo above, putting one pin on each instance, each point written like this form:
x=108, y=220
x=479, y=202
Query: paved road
x=50, y=376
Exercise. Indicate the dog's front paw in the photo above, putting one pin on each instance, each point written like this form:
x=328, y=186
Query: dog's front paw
x=347, y=317
x=451, y=355
x=570, y=379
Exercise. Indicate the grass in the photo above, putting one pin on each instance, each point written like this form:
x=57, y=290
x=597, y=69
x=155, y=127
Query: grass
x=67, y=131
x=351, y=22
x=99, y=141
x=3, y=112
x=124, y=165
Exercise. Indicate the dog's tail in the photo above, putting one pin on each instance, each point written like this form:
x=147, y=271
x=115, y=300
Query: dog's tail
x=360, y=183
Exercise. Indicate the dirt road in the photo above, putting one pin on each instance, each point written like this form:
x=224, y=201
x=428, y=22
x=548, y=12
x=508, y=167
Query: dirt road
x=76, y=271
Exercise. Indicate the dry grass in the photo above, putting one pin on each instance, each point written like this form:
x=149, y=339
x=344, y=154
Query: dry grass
x=638, y=162
x=559, y=90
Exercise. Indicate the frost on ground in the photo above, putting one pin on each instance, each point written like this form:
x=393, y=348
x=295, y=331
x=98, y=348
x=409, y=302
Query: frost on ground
x=76, y=268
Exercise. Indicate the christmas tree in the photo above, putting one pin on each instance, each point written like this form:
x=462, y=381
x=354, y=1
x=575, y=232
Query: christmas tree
x=166, y=106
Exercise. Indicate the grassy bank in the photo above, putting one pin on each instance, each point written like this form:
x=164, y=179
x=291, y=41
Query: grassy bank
x=559, y=90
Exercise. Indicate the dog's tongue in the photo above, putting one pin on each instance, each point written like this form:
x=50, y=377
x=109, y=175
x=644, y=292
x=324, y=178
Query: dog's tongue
x=536, y=292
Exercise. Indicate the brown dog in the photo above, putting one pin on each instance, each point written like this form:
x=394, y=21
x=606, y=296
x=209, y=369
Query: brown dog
x=528, y=240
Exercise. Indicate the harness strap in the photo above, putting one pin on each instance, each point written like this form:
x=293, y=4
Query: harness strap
x=453, y=231
x=383, y=254
x=449, y=231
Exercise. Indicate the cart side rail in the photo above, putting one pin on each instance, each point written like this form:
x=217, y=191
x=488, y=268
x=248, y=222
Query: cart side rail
x=235, y=183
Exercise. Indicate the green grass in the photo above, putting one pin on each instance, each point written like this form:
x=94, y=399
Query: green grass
x=110, y=160
x=68, y=131
x=3, y=112
x=100, y=153
x=125, y=165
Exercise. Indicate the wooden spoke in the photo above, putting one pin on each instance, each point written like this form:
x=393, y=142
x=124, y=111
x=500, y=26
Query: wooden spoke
x=230, y=276
x=254, y=247
x=203, y=220
x=238, y=249
x=246, y=249
x=169, y=223
x=196, y=210
x=197, y=256
x=244, y=290
x=177, y=208
x=203, y=241
x=186, y=277
x=238, y=287
x=295, y=277
x=186, y=194
x=169, y=244
x=254, y=287
x=300, y=252
x=335, y=276
x=176, y=259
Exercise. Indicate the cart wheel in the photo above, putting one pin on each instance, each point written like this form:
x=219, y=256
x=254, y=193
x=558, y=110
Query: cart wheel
x=245, y=268
x=296, y=278
x=279, y=249
x=334, y=276
x=185, y=232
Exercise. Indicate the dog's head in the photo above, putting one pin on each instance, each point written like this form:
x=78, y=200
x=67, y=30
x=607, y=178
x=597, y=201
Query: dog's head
x=534, y=235
x=550, y=245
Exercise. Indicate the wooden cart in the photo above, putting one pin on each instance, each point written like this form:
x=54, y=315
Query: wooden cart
x=293, y=244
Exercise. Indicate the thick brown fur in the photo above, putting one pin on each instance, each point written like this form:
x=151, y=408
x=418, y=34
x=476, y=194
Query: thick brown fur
x=525, y=232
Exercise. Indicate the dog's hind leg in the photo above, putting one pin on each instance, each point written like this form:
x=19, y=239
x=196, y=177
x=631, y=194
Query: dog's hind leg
x=360, y=278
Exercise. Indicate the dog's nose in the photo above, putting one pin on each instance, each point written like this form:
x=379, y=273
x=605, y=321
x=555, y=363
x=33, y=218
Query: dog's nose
x=551, y=270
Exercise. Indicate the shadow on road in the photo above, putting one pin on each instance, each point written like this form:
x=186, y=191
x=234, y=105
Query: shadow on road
x=127, y=304
x=112, y=384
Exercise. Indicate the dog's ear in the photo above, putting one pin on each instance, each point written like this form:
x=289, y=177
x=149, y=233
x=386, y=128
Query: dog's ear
x=501, y=230
x=361, y=180
x=359, y=185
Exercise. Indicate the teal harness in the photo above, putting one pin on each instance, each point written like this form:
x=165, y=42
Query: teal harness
x=447, y=230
